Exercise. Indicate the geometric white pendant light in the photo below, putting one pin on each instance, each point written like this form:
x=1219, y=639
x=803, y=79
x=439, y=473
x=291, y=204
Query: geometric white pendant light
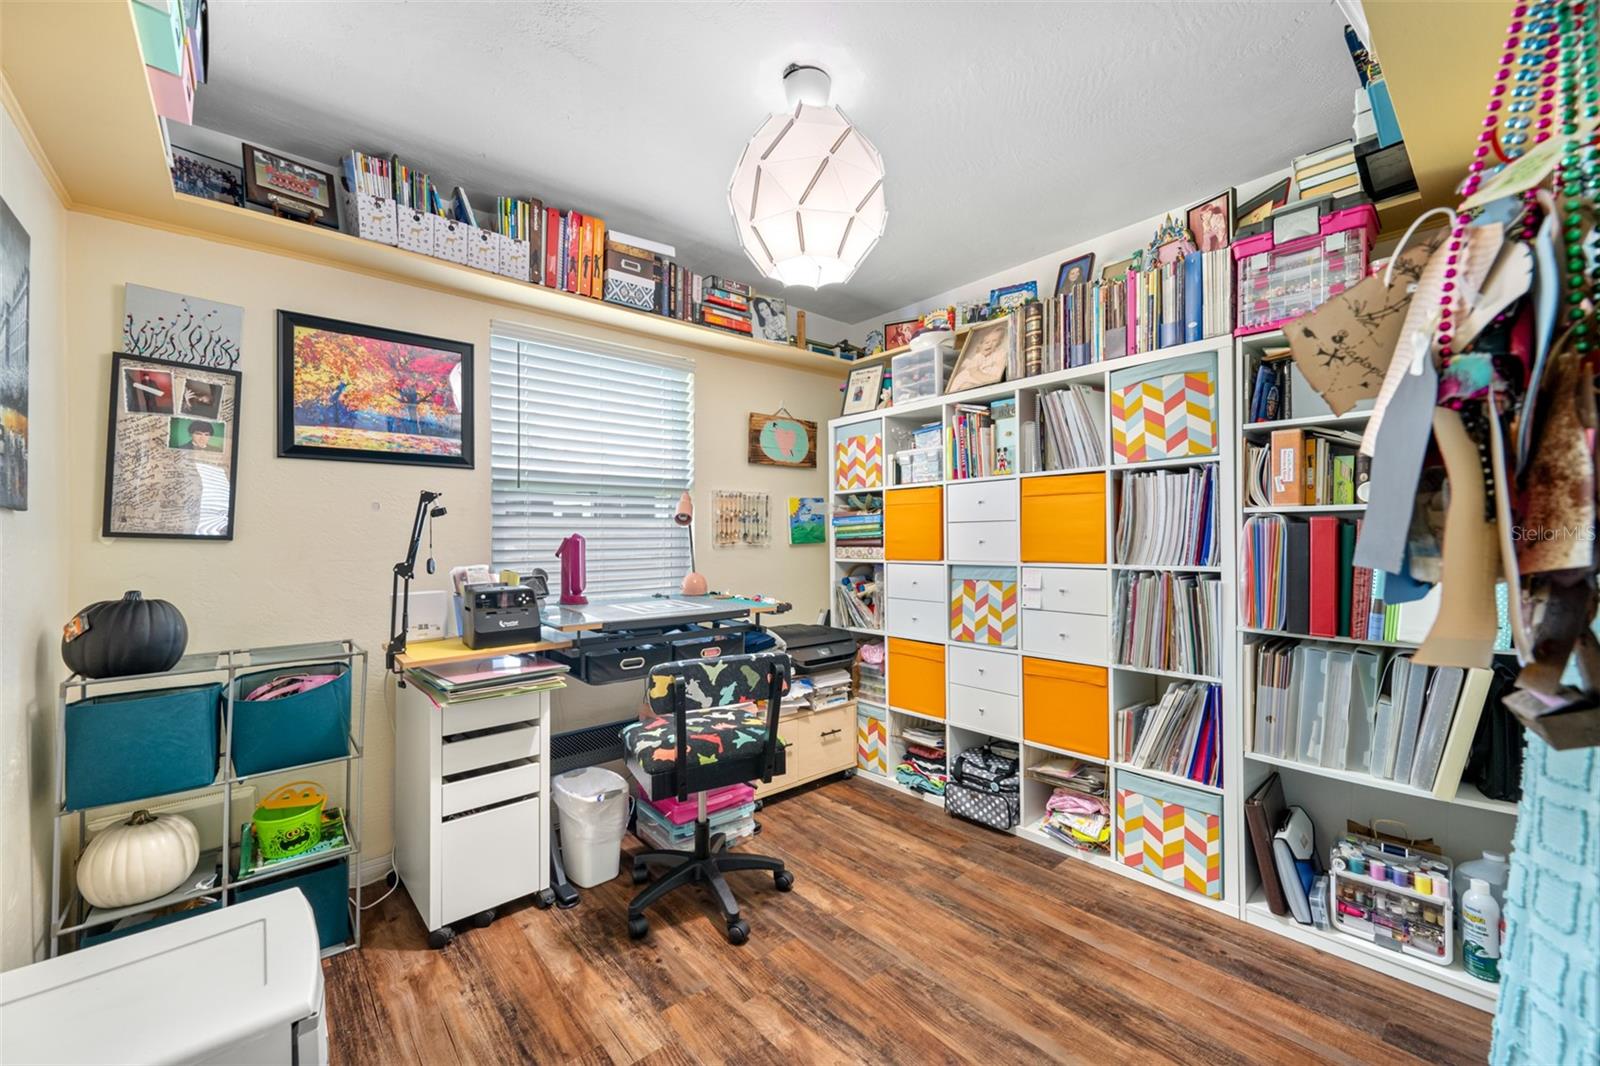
x=807, y=194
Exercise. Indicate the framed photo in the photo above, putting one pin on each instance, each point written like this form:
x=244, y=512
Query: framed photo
x=899, y=334
x=861, y=389
x=1011, y=297
x=373, y=395
x=280, y=183
x=1074, y=272
x=1211, y=223
x=172, y=450
x=985, y=353
x=782, y=440
x=210, y=179
x=1119, y=269
x=1261, y=205
x=769, y=318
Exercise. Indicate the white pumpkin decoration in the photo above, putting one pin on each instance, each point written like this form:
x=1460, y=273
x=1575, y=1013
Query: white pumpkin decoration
x=147, y=856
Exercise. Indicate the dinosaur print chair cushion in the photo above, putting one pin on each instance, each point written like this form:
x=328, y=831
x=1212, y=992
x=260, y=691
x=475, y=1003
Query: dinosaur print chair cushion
x=726, y=719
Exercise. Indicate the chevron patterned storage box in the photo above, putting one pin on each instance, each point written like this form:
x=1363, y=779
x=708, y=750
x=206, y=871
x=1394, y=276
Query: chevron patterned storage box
x=858, y=462
x=1165, y=417
x=872, y=742
x=983, y=605
x=1172, y=833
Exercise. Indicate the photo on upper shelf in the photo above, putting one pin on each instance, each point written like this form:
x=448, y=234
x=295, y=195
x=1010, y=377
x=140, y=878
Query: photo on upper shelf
x=210, y=179
x=283, y=185
x=1260, y=206
x=899, y=334
x=985, y=351
x=861, y=389
x=1074, y=272
x=1119, y=270
x=1211, y=222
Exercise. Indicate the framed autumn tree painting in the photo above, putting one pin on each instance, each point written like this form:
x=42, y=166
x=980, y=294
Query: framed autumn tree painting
x=373, y=395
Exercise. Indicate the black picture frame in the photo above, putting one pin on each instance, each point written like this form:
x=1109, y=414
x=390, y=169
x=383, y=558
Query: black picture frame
x=171, y=411
x=288, y=448
x=1277, y=195
x=1084, y=263
x=323, y=210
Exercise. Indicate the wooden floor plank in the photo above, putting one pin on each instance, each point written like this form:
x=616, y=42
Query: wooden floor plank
x=909, y=937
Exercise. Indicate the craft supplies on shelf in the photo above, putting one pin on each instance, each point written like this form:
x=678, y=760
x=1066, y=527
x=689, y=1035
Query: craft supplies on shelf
x=1180, y=735
x=857, y=521
x=858, y=598
x=981, y=440
x=1395, y=896
x=1279, y=280
x=1168, y=622
x=1065, y=429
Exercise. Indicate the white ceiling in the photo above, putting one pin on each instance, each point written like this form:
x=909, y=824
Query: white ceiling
x=1008, y=130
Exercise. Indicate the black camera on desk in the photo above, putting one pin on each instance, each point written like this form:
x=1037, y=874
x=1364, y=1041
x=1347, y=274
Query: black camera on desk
x=493, y=616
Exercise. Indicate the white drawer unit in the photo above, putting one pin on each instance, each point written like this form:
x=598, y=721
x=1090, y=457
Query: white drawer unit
x=483, y=788
x=915, y=581
x=985, y=501
x=487, y=714
x=492, y=856
x=996, y=713
x=981, y=542
x=992, y=671
x=474, y=751
x=1059, y=589
x=1079, y=638
x=917, y=619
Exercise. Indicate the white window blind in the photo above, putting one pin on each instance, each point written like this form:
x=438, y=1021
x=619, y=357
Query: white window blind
x=598, y=443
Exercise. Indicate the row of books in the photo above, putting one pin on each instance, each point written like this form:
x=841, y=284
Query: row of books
x=982, y=439
x=1345, y=709
x=1180, y=734
x=1168, y=518
x=857, y=521
x=1306, y=467
x=1297, y=575
x=1068, y=432
x=1167, y=621
x=857, y=597
x=1270, y=390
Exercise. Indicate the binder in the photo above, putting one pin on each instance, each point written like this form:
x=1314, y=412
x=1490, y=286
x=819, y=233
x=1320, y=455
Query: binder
x=1288, y=467
x=1264, y=814
x=1193, y=297
x=1323, y=584
x=1347, y=592
x=1410, y=716
x=1443, y=694
x=1463, y=728
x=1297, y=576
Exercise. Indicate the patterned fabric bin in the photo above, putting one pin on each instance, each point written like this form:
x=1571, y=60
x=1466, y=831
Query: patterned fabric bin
x=1172, y=833
x=872, y=740
x=983, y=605
x=1165, y=417
x=858, y=462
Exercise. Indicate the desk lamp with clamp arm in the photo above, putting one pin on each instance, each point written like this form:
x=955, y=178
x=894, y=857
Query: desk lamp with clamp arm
x=404, y=571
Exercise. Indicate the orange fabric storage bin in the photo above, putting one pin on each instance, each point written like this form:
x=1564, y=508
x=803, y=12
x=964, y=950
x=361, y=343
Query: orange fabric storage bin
x=1064, y=706
x=913, y=524
x=1064, y=519
x=916, y=676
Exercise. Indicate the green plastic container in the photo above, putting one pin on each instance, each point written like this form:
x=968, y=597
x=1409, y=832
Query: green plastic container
x=289, y=822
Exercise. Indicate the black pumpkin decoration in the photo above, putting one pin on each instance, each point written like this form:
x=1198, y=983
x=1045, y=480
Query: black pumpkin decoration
x=117, y=638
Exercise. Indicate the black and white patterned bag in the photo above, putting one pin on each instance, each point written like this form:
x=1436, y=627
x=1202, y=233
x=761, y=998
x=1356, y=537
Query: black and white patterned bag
x=984, y=786
x=996, y=810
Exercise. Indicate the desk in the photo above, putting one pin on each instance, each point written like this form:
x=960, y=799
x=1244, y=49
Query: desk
x=472, y=777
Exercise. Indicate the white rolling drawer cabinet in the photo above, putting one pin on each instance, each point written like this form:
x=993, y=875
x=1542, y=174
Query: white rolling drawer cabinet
x=472, y=831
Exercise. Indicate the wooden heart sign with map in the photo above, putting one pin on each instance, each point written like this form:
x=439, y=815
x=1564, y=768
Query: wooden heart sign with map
x=782, y=440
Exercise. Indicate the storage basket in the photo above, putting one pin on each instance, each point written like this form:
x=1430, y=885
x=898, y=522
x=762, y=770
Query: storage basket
x=306, y=727
x=1172, y=833
x=134, y=745
x=326, y=888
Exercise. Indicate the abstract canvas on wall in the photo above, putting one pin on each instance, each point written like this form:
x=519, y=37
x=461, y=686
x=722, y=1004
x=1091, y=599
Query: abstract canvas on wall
x=368, y=394
x=172, y=453
x=806, y=520
x=15, y=248
x=158, y=324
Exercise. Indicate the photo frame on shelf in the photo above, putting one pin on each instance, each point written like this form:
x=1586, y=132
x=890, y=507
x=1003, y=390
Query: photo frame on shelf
x=984, y=356
x=861, y=389
x=1119, y=269
x=210, y=179
x=1011, y=297
x=1074, y=272
x=286, y=186
x=1261, y=205
x=1211, y=222
x=781, y=439
x=899, y=334
x=172, y=450
x=372, y=395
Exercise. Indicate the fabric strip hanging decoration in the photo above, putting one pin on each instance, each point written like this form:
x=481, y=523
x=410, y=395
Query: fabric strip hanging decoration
x=807, y=193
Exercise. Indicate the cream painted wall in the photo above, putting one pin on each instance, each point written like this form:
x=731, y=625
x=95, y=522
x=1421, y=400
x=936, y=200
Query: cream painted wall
x=315, y=541
x=33, y=569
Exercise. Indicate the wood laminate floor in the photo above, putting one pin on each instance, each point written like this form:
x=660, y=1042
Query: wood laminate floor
x=909, y=937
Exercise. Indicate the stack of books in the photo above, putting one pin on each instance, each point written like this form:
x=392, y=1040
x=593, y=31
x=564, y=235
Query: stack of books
x=1068, y=432
x=1327, y=171
x=575, y=252
x=1181, y=734
x=489, y=677
x=1168, y=622
x=858, y=522
x=1168, y=518
x=725, y=304
x=982, y=439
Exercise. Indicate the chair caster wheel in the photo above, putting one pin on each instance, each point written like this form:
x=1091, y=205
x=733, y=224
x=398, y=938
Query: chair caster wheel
x=483, y=919
x=738, y=931
x=641, y=873
x=440, y=939
x=783, y=879
x=848, y=774
x=760, y=803
x=638, y=927
x=544, y=900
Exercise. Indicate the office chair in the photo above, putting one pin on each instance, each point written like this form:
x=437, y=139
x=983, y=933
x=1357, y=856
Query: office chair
x=727, y=744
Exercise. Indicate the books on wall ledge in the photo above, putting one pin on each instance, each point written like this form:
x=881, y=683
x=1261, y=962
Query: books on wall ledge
x=981, y=440
x=1164, y=412
x=1327, y=171
x=1180, y=734
x=1346, y=709
x=1067, y=431
x=1169, y=622
x=1168, y=517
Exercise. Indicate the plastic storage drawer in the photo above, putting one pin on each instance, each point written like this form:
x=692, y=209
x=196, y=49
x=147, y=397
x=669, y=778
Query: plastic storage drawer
x=133, y=745
x=307, y=727
x=921, y=372
x=326, y=888
x=1172, y=833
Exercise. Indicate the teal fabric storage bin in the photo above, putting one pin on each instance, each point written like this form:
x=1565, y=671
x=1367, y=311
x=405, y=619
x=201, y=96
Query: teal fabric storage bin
x=306, y=727
x=134, y=745
x=326, y=888
x=105, y=933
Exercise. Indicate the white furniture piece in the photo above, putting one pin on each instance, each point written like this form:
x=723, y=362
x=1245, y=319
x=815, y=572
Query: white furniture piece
x=242, y=984
x=471, y=828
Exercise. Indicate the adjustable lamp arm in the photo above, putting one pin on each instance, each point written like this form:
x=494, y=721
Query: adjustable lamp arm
x=404, y=571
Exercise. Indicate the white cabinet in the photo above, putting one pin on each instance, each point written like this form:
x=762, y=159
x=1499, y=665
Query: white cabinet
x=916, y=581
x=981, y=542
x=1080, y=638
x=995, y=713
x=993, y=671
x=917, y=619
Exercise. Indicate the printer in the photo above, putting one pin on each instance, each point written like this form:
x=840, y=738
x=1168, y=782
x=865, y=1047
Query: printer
x=814, y=648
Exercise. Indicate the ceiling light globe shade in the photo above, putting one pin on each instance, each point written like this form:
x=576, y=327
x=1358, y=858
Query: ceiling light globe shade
x=807, y=197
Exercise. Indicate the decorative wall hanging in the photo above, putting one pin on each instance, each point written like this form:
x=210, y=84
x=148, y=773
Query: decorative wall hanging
x=744, y=519
x=158, y=324
x=367, y=394
x=15, y=249
x=806, y=520
x=172, y=453
x=780, y=439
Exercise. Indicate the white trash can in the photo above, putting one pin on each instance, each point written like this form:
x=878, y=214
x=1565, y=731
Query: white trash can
x=592, y=803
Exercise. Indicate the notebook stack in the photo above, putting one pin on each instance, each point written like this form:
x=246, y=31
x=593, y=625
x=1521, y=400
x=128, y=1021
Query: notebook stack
x=725, y=304
x=924, y=767
x=1327, y=171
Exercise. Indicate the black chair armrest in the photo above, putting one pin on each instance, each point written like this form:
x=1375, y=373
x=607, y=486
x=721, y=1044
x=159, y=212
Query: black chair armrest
x=769, y=758
x=680, y=722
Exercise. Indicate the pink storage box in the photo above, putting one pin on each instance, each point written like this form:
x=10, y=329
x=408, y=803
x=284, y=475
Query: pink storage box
x=1279, y=283
x=718, y=799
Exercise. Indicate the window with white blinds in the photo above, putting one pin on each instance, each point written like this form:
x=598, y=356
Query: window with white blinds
x=598, y=443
